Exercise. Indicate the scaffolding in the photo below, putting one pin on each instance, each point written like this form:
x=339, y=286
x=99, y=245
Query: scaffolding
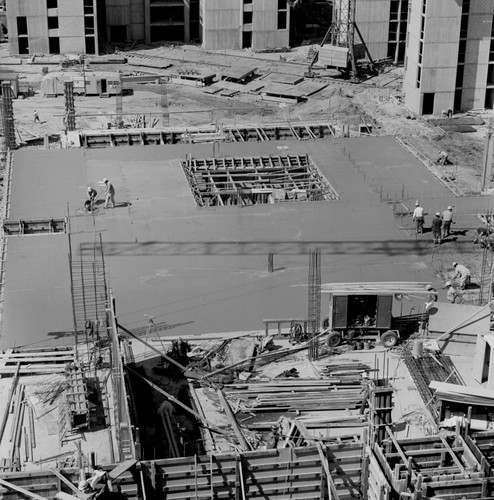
x=69, y=106
x=314, y=303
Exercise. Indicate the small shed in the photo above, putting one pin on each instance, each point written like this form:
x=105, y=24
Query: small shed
x=89, y=83
x=239, y=74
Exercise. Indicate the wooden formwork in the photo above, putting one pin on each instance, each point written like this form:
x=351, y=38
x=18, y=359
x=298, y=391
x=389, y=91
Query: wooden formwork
x=446, y=466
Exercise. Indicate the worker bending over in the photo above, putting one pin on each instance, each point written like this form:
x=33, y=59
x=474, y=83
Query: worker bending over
x=463, y=273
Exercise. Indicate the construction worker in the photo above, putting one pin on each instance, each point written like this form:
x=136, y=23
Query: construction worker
x=418, y=215
x=109, y=194
x=452, y=294
x=436, y=228
x=447, y=218
x=463, y=273
x=36, y=116
x=482, y=234
x=431, y=296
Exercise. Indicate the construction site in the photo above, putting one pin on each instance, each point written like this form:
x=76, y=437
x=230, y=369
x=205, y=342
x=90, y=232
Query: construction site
x=243, y=272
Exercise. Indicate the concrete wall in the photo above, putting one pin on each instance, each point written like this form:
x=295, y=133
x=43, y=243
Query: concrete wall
x=37, y=26
x=70, y=30
x=221, y=21
x=222, y=24
x=440, y=54
x=129, y=13
x=372, y=18
x=265, y=32
x=477, y=54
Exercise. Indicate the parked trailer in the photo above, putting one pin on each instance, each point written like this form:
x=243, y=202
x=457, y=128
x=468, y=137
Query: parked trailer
x=89, y=83
x=364, y=311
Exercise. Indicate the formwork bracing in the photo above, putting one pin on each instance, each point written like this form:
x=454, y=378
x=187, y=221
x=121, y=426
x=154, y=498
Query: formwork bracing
x=206, y=134
x=256, y=180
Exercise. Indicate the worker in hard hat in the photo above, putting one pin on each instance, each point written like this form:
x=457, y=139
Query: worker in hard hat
x=463, y=274
x=453, y=295
x=418, y=215
x=431, y=296
x=91, y=196
x=447, y=217
x=436, y=224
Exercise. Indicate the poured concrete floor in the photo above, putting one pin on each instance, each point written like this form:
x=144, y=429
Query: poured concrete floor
x=199, y=270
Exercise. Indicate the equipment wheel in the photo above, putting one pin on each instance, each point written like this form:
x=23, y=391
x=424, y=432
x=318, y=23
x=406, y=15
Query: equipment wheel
x=334, y=339
x=325, y=323
x=389, y=339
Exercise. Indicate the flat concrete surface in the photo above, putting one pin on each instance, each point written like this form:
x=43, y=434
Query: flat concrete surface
x=205, y=270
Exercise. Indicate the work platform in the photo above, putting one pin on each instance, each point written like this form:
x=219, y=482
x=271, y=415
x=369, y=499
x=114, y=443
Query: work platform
x=203, y=269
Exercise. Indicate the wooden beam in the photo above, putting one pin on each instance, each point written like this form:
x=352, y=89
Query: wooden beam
x=12, y=389
x=333, y=494
x=244, y=444
x=67, y=483
x=20, y=490
x=399, y=449
x=453, y=455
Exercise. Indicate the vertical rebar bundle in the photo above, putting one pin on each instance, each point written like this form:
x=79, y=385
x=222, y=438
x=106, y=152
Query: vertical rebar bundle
x=314, y=313
x=8, y=117
x=165, y=117
x=119, y=109
x=69, y=105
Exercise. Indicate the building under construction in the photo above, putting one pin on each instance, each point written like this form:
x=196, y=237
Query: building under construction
x=171, y=340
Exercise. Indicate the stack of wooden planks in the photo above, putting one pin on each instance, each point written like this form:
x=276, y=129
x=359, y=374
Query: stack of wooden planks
x=36, y=361
x=295, y=395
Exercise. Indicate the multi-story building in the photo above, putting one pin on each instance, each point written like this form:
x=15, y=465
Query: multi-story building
x=150, y=20
x=52, y=26
x=256, y=24
x=450, y=56
x=383, y=25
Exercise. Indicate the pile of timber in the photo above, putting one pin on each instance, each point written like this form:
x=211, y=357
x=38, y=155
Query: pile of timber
x=36, y=361
x=295, y=394
x=350, y=372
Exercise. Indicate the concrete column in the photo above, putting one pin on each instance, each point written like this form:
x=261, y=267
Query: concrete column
x=186, y=21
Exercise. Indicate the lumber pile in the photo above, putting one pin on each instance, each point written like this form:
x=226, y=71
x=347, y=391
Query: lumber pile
x=295, y=395
x=38, y=361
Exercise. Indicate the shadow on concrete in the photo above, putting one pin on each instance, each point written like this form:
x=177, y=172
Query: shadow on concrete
x=218, y=248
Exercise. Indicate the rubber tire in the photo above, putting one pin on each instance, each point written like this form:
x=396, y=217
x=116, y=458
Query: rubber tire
x=325, y=323
x=389, y=339
x=334, y=339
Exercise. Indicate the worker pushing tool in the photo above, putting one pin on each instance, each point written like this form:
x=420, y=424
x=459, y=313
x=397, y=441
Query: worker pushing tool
x=109, y=194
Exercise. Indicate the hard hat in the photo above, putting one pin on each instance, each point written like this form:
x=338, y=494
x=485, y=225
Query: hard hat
x=448, y=283
x=428, y=287
x=89, y=188
x=438, y=214
x=417, y=203
x=105, y=180
x=455, y=264
x=450, y=208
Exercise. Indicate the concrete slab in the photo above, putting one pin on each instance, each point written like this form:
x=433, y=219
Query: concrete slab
x=202, y=270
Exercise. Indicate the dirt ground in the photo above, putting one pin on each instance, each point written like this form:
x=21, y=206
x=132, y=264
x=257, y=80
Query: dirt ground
x=377, y=101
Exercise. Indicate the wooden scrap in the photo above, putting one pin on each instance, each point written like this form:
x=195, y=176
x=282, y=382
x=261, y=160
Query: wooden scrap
x=78, y=493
